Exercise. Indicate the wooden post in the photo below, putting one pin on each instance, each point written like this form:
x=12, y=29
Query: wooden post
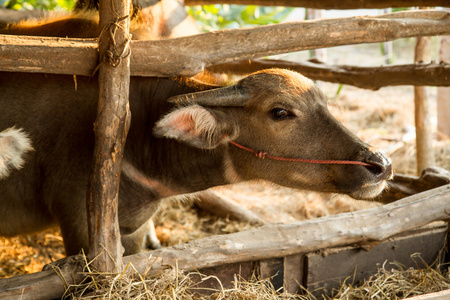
x=424, y=131
x=111, y=128
x=373, y=78
x=388, y=47
x=443, y=93
x=267, y=242
x=319, y=53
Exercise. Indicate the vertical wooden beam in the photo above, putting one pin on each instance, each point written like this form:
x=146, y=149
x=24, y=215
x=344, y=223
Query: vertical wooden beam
x=388, y=47
x=319, y=53
x=443, y=93
x=111, y=128
x=424, y=131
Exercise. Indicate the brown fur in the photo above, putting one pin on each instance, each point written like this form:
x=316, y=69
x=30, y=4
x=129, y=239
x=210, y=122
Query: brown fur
x=175, y=150
x=169, y=150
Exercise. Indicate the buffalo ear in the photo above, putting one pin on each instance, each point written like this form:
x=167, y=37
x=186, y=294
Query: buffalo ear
x=197, y=126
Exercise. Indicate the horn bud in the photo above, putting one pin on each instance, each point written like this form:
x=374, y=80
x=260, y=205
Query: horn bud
x=227, y=96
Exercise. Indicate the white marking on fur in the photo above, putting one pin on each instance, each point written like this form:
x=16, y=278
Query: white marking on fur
x=14, y=143
x=151, y=239
x=157, y=187
x=190, y=123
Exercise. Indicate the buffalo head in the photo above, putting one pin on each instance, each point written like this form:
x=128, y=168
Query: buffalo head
x=282, y=113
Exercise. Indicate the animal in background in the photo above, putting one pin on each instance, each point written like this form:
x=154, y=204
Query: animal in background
x=164, y=19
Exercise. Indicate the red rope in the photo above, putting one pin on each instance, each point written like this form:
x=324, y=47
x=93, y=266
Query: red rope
x=263, y=154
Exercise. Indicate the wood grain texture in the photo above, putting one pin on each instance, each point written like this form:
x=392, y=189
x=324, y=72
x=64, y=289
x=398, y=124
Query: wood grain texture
x=111, y=128
x=190, y=55
x=266, y=242
x=373, y=78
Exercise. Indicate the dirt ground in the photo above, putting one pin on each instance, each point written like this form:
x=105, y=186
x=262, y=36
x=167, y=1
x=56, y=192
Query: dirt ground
x=383, y=118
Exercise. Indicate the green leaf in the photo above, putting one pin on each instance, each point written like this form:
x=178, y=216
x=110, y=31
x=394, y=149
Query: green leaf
x=214, y=17
x=39, y=4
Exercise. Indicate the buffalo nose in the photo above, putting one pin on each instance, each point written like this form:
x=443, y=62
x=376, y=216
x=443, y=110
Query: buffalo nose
x=379, y=165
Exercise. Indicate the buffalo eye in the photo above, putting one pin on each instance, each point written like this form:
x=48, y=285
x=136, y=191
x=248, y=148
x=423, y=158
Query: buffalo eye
x=280, y=114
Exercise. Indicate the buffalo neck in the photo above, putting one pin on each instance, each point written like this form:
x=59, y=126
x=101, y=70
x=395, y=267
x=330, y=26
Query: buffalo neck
x=176, y=166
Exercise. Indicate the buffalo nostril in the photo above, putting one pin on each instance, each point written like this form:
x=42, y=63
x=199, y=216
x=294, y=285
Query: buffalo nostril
x=375, y=169
x=379, y=165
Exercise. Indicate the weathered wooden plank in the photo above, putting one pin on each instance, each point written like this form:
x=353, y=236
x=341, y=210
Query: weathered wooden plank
x=111, y=129
x=280, y=240
x=200, y=51
x=325, y=270
x=49, y=284
x=285, y=273
x=271, y=241
x=327, y=4
x=402, y=186
x=293, y=273
x=48, y=55
x=223, y=276
x=443, y=94
x=273, y=269
x=422, y=112
x=431, y=74
x=190, y=55
x=329, y=268
x=442, y=295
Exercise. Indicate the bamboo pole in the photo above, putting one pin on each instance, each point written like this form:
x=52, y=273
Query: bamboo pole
x=111, y=128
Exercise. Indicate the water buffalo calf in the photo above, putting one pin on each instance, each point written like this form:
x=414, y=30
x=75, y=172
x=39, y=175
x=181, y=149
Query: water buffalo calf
x=173, y=147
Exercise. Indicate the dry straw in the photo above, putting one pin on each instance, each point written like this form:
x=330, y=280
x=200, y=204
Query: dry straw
x=392, y=281
x=171, y=284
x=397, y=283
x=382, y=124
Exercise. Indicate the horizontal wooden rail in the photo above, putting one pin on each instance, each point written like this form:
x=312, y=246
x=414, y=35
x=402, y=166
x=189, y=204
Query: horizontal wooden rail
x=269, y=241
x=432, y=74
x=327, y=4
x=190, y=55
x=48, y=55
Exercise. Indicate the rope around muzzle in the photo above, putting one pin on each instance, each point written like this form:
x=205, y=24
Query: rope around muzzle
x=263, y=155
